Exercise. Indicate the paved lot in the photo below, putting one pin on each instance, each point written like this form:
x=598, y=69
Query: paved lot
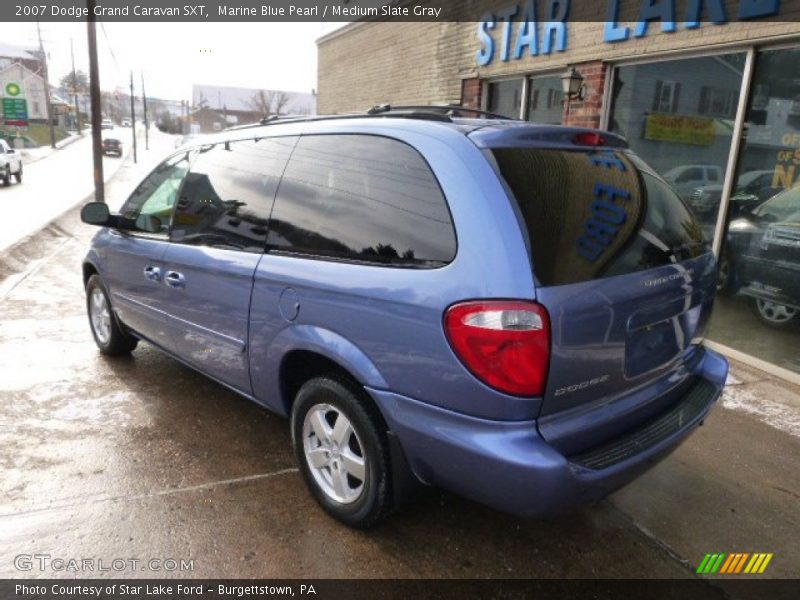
x=143, y=458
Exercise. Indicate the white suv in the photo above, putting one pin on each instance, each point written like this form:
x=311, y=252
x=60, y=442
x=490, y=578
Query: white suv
x=10, y=164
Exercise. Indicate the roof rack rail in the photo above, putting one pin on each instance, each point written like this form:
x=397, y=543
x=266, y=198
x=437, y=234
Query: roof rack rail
x=431, y=112
x=381, y=109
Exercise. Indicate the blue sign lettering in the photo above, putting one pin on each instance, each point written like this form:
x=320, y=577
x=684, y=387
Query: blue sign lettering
x=528, y=35
x=756, y=9
x=486, y=53
x=652, y=10
x=694, y=12
x=506, y=16
x=555, y=26
x=612, y=31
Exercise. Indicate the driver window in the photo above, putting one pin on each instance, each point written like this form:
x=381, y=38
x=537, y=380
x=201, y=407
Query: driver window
x=152, y=201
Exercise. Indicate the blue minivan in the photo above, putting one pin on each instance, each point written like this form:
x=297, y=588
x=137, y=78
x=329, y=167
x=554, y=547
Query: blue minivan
x=510, y=311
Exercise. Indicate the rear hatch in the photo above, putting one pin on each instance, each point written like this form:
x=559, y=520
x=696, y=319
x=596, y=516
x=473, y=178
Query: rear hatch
x=628, y=280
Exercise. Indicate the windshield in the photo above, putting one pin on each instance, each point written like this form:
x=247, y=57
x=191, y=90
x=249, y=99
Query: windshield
x=780, y=207
x=593, y=214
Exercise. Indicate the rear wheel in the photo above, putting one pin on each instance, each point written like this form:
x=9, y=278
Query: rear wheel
x=18, y=174
x=341, y=446
x=108, y=334
x=776, y=315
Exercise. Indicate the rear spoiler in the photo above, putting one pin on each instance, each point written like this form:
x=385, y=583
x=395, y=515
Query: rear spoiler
x=519, y=135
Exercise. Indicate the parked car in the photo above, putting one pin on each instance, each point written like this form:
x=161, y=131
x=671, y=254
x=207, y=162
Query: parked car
x=752, y=188
x=107, y=124
x=513, y=312
x=761, y=259
x=112, y=147
x=126, y=122
x=10, y=163
x=686, y=178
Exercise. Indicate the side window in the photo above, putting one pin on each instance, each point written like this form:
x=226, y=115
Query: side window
x=154, y=197
x=692, y=174
x=228, y=194
x=713, y=175
x=363, y=198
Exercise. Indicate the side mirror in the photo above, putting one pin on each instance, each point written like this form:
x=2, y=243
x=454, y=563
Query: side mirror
x=96, y=213
x=148, y=223
x=11, y=151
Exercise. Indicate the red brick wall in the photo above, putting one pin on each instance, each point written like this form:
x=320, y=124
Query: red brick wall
x=586, y=112
x=471, y=92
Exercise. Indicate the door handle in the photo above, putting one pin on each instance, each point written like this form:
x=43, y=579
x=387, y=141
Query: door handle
x=175, y=279
x=152, y=273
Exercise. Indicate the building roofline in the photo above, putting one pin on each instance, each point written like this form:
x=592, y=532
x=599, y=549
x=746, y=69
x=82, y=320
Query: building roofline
x=341, y=31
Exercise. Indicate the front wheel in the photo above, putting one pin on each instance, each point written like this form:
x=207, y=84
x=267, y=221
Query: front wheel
x=340, y=443
x=6, y=175
x=108, y=334
x=776, y=315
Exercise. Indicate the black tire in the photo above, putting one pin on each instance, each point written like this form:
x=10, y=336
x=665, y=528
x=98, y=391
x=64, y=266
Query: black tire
x=7, y=175
x=726, y=275
x=374, y=500
x=112, y=339
x=18, y=174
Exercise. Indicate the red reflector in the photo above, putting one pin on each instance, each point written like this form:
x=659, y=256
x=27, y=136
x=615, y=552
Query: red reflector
x=505, y=344
x=589, y=138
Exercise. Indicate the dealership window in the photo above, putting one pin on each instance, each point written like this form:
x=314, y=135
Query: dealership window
x=758, y=308
x=545, y=100
x=505, y=97
x=679, y=116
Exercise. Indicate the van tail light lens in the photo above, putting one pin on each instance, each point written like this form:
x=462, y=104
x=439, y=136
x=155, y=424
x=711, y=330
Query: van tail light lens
x=505, y=344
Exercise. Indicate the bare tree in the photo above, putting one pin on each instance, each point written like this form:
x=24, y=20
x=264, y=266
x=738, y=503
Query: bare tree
x=281, y=99
x=269, y=102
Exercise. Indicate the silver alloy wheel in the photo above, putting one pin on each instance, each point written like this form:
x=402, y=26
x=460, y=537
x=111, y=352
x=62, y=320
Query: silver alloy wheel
x=775, y=313
x=100, y=315
x=334, y=454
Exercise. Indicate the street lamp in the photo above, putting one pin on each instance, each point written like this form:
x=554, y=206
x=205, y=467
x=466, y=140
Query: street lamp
x=572, y=84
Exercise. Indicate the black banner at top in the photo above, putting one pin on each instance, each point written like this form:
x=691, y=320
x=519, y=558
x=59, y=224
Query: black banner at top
x=496, y=11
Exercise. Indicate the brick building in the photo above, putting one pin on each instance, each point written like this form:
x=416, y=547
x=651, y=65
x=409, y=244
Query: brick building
x=710, y=100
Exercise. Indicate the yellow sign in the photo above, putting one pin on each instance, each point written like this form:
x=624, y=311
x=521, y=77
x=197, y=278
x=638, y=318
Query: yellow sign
x=697, y=131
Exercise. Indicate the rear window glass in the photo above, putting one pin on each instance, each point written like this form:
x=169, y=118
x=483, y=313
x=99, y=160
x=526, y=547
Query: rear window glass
x=593, y=214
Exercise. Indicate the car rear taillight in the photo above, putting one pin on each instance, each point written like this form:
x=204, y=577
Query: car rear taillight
x=505, y=344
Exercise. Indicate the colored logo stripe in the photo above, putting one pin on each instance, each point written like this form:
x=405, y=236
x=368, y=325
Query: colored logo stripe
x=734, y=563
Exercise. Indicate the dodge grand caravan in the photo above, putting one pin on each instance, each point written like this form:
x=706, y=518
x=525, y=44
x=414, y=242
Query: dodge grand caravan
x=510, y=311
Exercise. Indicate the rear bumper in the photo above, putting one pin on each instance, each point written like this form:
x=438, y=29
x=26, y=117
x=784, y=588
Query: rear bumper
x=509, y=466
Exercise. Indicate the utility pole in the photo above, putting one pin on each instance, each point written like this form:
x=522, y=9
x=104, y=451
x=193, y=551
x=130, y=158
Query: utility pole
x=94, y=95
x=133, y=120
x=75, y=88
x=146, y=123
x=48, y=107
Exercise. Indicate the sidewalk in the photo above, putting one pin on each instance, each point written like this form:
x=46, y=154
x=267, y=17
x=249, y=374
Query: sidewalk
x=31, y=155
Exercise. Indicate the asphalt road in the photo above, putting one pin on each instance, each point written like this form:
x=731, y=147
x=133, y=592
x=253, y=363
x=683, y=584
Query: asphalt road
x=143, y=458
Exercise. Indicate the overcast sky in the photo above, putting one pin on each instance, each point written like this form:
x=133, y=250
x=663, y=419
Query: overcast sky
x=174, y=56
